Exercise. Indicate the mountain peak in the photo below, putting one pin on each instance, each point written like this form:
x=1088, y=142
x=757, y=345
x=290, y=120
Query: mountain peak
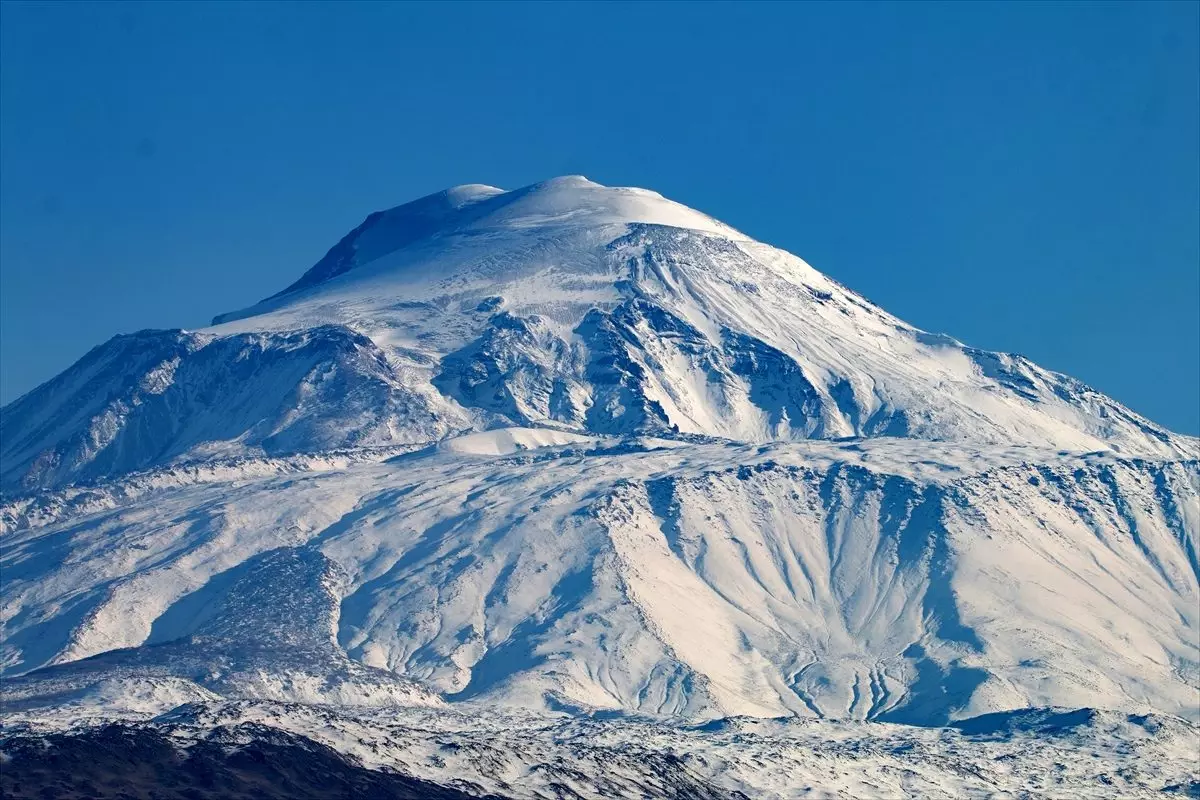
x=569, y=180
x=582, y=447
x=576, y=201
x=564, y=304
x=549, y=206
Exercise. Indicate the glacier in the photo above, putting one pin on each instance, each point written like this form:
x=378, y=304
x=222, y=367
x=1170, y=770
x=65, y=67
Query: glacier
x=574, y=455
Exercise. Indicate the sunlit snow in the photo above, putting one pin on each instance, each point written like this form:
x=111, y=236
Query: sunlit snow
x=592, y=469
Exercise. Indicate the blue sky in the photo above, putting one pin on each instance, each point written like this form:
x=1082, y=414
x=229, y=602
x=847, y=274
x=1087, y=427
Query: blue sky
x=1024, y=176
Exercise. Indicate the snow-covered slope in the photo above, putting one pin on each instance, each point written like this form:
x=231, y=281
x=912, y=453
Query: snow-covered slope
x=565, y=304
x=156, y=397
x=885, y=579
x=579, y=449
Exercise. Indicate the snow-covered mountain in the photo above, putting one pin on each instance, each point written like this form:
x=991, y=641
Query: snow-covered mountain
x=580, y=449
x=567, y=305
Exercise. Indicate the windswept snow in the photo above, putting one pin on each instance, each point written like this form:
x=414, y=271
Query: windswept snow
x=506, y=441
x=580, y=450
x=564, y=305
x=887, y=579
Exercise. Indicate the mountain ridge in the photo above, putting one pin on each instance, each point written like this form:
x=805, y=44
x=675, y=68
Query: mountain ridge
x=565, y=303
x=573, y=449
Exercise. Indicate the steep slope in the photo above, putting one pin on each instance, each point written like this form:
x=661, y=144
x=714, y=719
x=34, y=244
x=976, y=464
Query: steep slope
x=580, y=449
x=892, y=580
x=156, y=397
x=565, y=304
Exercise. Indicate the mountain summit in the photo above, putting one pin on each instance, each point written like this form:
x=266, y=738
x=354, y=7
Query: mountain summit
x=569, y=200
x=565, y=304
x=580, y=449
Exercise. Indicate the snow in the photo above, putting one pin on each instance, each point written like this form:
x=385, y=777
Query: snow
x=506, y=441
x=1037, y=753
x=536, y=568
x=571, y=449
x=564, y=305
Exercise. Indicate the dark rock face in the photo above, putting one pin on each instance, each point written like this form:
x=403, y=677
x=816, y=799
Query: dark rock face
x=123, y=761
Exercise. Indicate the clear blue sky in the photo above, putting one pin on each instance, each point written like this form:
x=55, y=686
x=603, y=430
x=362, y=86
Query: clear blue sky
x=1022, y=176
